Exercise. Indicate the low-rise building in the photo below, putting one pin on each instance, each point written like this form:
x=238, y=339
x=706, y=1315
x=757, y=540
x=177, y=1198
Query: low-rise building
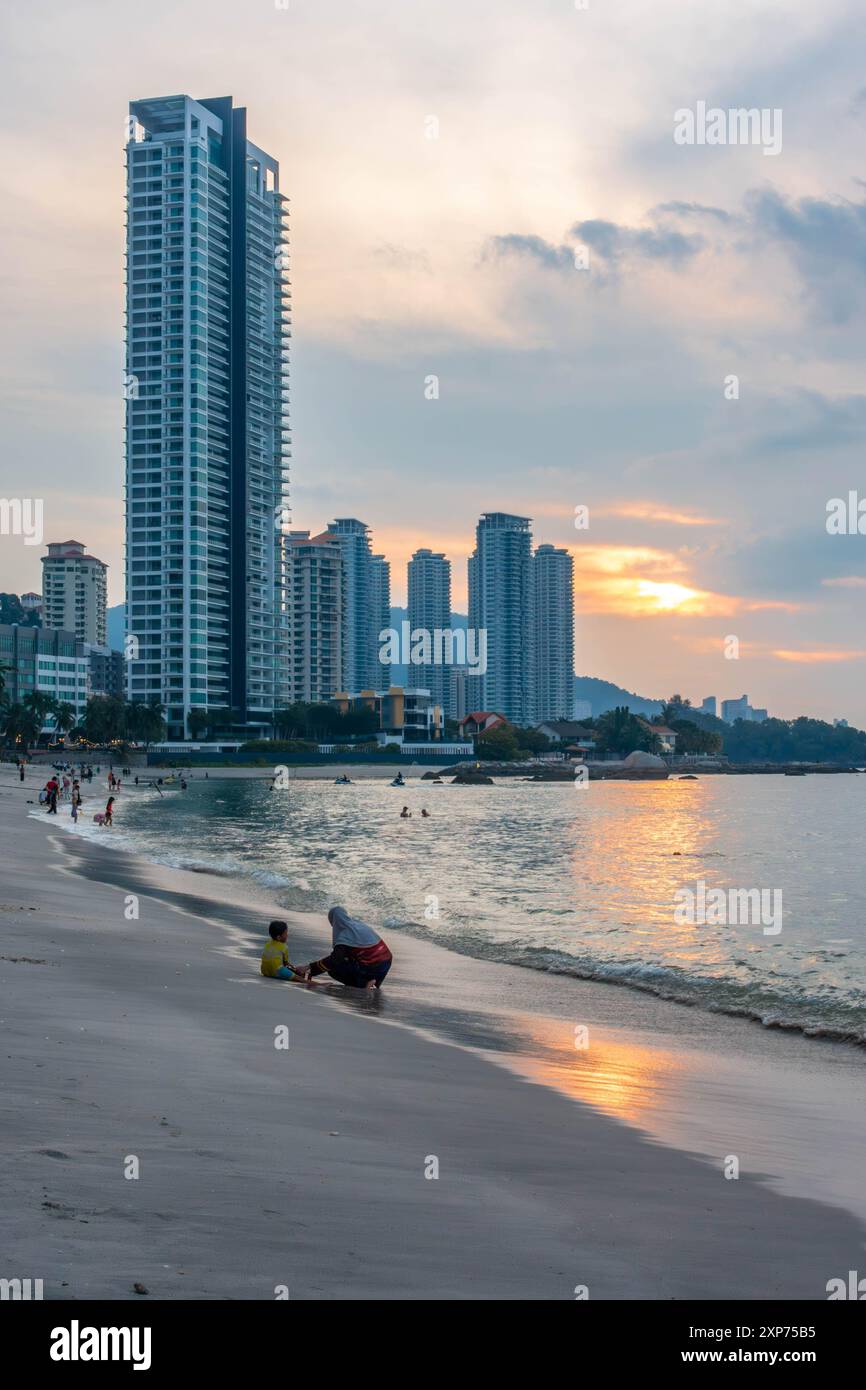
x=411, y=713
x=568, y=732
x=48, y=661
x=667, y=737
x=481, y=722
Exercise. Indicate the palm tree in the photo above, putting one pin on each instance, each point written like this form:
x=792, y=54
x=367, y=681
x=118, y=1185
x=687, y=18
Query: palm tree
x=22, y=725
x=41, y=706
x=65, y=718
x=154, y=722
x=198, y=720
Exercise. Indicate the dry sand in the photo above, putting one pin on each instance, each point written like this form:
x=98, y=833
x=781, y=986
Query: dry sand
x=154, y=1040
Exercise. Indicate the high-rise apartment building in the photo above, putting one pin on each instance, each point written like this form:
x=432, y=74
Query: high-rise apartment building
x=553, y=633
x=741, y=709
x=74, y=588
x=429, y=609
x=315, y=577
x=500, y=594
x=380, y=605
x=365, y=599
x=207, y=328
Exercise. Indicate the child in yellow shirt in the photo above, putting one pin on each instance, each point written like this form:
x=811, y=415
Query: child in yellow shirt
x=275, y=957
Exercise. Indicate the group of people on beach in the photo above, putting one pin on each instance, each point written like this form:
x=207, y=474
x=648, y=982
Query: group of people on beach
x=64, y=785
x=358, y=956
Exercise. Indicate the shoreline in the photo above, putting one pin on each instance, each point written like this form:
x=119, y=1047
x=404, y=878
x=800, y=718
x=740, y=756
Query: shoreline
x=708, y=994
x=155, y=1039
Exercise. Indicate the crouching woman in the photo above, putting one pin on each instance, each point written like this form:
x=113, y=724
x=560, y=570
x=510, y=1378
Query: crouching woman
x=359, y=957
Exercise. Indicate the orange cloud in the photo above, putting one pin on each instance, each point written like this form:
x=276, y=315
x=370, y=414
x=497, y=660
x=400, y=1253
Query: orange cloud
x=637, y=581
x=814, y=658
x=651, y=511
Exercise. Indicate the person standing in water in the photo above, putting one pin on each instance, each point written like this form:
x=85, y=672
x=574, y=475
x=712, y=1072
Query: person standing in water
x=109, y=811
x=359, y=957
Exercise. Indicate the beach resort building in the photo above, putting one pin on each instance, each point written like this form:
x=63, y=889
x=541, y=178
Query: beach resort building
x=429, y=580
x=207, y=446
x=500, y=604
x=553, y=633
x=74, y=591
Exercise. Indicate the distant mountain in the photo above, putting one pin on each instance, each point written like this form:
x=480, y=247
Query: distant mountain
x=604, y=695
x=116, y=617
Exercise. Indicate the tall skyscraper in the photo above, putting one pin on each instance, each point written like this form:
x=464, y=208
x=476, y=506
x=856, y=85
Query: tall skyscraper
x=500, y=588
x=380, y=605
x=365, y=597
x=315, y=574
x=553, y=633
x=207, y=328
x=74, y=586
x=429, y=578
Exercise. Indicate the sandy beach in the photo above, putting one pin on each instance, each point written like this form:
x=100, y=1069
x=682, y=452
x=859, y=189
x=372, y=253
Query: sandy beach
x=148, y=1045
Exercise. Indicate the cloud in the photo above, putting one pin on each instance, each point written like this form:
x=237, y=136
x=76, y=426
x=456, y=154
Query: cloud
x=616, y=243
x=846, y=581
x=545, y=254
x=811, y=658
x=681, y=209
x=643, y=581
x=826, y=241
x=652, y=511
x=611, y=243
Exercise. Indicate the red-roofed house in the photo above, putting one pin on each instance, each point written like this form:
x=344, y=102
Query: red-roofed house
x=667, y=737
x=481, y=722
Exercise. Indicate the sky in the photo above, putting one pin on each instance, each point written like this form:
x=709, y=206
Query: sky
x=491, y=194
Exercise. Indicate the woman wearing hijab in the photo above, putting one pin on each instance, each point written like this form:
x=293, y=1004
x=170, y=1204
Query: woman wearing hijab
x=359, y=956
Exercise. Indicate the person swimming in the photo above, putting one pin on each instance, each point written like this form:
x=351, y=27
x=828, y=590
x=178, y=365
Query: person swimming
x=359, y=957
x=405, y=814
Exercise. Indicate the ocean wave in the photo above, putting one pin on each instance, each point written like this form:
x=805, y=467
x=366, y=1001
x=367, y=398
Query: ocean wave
x=789, y=1009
